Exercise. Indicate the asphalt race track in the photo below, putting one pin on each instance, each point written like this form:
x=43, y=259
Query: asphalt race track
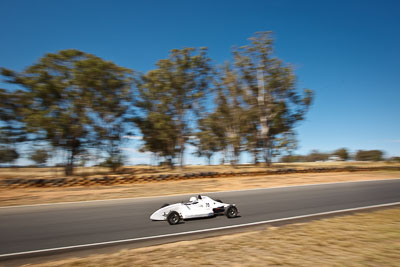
x=31, y=228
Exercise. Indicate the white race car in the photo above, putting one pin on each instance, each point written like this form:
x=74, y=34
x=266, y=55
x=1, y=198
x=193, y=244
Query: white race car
x=197, y=207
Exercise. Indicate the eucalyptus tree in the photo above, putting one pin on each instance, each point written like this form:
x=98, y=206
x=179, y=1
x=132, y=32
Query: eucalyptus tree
x=369, y=155
x=231, y=111
x=8, y=155
x=73, y=100
x=170, y=99
x=12, y=131
x=39, y=156
x=284, y=143
x=342, y=153
x=210, y=137
x=270, y=91
x=252, y=140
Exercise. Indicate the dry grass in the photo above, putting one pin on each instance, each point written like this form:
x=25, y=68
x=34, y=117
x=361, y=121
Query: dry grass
x=365, y=239
x=57, y=172
x=48, y=172
x=23, y=196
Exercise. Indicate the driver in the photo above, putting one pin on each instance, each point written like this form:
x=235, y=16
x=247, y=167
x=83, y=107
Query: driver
x=193, y=200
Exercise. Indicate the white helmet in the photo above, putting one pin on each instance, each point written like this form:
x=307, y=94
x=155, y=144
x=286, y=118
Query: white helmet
x=193, y=199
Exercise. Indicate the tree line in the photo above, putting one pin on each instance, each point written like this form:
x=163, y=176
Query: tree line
x=339, y=154
x=81, y=105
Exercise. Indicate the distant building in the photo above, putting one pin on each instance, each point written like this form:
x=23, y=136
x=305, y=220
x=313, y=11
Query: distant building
x=334, y=158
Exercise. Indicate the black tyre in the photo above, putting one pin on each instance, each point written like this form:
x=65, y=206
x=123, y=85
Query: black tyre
x=173, y=218
x=164, y=205
x=231, y=212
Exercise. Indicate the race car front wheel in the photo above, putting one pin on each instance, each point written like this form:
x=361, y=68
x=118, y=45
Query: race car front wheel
x=173, y=218
x=231, y=212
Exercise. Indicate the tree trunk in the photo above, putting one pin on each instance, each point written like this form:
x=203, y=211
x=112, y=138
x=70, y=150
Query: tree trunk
x=170, y=163
x=267, y=151
x=69, y=167
x=181, y=151
x=263, y=115
x=222, y=160
x=236, y=154
x=255, y=159
x=181, y=139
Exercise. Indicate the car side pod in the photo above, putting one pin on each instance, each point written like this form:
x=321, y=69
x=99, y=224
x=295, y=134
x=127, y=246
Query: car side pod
x=231, y=211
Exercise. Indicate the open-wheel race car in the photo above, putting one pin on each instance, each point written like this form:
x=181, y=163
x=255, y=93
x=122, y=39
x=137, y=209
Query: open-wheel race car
x=197, y=207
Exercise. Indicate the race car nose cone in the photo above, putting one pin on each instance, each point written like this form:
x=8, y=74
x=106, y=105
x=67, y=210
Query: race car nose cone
x=157, y=216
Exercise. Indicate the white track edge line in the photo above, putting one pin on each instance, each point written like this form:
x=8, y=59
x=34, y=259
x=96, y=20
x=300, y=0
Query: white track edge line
x=196, y=231
x=183, y=194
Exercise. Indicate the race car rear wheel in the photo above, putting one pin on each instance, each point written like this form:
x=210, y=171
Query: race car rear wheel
x=231, y=212
x=173, y=218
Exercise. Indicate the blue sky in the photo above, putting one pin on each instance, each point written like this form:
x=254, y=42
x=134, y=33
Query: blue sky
x=346, y=51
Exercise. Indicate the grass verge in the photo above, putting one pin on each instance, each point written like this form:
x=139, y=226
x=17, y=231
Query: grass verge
x=363, y=239
x=27, y=196
x=58, y=172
